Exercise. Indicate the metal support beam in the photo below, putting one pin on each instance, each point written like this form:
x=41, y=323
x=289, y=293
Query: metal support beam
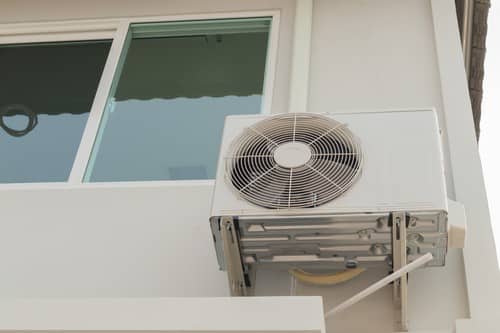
x=399, y=258
x=232, y=258
x=380, y=284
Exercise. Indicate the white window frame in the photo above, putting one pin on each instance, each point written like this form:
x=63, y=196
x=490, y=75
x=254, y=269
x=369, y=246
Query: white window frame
x=117, y=31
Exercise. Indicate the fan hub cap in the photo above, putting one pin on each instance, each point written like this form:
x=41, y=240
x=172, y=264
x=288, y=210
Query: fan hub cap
x=292, y=154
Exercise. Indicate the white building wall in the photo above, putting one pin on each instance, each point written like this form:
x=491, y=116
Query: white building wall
x=368, y=55
x=382, y=55
x=129, y=240
x=154, y=240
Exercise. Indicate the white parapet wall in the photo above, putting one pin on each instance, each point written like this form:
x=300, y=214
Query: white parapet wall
x=217, y=314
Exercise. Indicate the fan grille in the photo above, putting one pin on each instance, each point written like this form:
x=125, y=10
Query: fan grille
x=269, y=166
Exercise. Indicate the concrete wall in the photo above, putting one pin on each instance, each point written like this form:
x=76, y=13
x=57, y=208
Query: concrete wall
x=382, y=55
x=154, y=240
x=128, y=240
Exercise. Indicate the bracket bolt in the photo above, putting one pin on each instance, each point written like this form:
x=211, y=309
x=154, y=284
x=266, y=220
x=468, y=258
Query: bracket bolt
x=351, y=263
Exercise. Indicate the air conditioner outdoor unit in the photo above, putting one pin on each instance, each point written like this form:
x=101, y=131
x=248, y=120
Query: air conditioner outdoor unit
x=329, y=191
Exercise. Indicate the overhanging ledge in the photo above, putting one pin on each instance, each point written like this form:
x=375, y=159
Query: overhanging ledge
x=226, y=314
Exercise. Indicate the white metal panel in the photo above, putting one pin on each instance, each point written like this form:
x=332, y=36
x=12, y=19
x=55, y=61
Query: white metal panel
x=403, y=167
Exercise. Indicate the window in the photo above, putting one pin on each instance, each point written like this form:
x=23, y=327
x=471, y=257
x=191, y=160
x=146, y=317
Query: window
x=128, y=99
x=46, y=93
x=175, y=84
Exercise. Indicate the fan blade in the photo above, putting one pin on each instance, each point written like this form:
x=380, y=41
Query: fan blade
x=271, y=189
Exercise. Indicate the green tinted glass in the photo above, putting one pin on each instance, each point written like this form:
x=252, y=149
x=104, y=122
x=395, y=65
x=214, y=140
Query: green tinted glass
x=46, y=93
x=177, y=83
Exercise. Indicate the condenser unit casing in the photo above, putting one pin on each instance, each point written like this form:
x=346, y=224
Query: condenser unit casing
x=400, y=172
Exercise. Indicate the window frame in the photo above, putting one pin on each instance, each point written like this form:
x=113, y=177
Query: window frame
x=117, y=30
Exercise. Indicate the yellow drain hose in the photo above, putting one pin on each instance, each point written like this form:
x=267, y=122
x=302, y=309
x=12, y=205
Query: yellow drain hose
x=326, y=279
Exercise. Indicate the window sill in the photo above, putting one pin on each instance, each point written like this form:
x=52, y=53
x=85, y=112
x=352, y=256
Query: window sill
x=131, y=185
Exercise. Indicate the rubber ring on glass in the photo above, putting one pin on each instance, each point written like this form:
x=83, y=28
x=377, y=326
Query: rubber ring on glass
x=14, y=110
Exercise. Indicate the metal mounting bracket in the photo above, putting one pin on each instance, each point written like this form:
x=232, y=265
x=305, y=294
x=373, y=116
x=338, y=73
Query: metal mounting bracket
x=399, y=260
x=232, y=257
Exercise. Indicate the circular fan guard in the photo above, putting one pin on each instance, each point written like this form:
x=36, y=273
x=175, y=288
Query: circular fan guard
x=269, y=166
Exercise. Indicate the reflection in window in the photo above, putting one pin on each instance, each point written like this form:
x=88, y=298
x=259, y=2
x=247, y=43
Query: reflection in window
x=179, y=80
x=46, y=93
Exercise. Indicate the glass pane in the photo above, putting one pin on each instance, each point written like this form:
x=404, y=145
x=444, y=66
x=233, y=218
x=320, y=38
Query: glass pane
x=165, y=117
x=46, y=93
